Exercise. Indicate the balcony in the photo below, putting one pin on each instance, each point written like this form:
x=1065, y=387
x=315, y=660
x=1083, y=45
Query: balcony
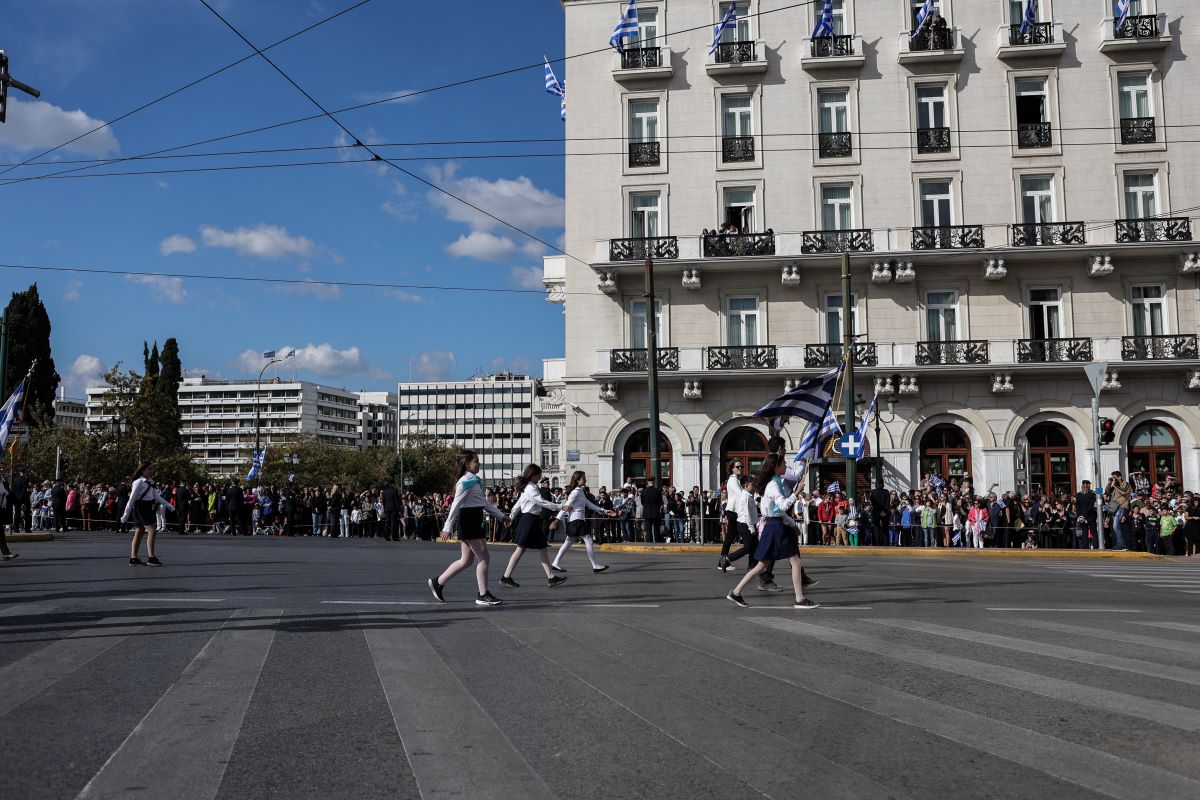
x=835, y=145
x=1051, y=351
x=933, y=140
x=856, y=240
x=930, y=46
x=824, y=356
x=1047, y=234
x=727, y=245
x=727, y=358
x=1043, y=39
x=641, y=249
x=643, y=64
x=949, y=237
x=644, y=154
x=1032, y=135
x=1159, y=348
x=736, y=149
x=967, y=352
x=833, y=52
x=1157, y=229
x=1138, y=130
x=1142, y=32
x=736, y=58
x=638, y=361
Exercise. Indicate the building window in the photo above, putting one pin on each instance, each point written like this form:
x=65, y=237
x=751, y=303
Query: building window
x=736, y=115
x=915, y=7
x=1045, y=314
x=833, y=120
x=1133, y=90
x=742, y=321
x=549, y=459
x=941, y=316
x=839, y=16
x=931, y=106
x=1149, y=310
x=1154, y=450
x=741, y=31
x=644, y=212
x=647, y=35
x=936, y=206
x=643, y=121
x=1033, y=113
x=946, y=452
x=1016, y=11
x=833, y=317
x=1141, y=195
x=637, y=323
x=837, y=207
x=637, y=458
x=1037, y=199
x=1051, y=459
x=550, y=435
x=739, y=209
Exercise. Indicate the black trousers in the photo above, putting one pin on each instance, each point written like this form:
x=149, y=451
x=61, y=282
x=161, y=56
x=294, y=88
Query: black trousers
x=60, y=517
x=732, y=533
x=653, y=528
x=391, y=526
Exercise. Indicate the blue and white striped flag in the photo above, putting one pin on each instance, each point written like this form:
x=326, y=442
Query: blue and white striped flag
x=728, y=21
x=1122, y=12
x=269, y=354
x=555, y=86
x=9, y=412
x=833, y=488
x=810, y=445
x=825, y=21
x=256, y=464
x=627, y=27
x=862, y=429
x=1030, y=19
x=923, y=16
x=810, y=400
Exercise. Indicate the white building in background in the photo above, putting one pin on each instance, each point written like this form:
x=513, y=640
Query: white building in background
x=1016, y=205
x=492, y=415
x=377, y=419
x=69, y=413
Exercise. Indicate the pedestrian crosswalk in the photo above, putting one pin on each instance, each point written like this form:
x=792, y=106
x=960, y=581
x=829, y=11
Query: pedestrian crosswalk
x=1179, y=576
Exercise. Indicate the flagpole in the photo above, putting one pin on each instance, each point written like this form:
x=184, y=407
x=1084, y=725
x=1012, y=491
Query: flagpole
x=848, y=375
x=652, y=369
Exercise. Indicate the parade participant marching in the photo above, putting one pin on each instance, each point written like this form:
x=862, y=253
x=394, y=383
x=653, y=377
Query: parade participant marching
x=466, y=517
x=780, y=533
x=733, y=493
x=745, y=511
x=793, y=478
x=530, y=534
x=144, y=499
x=577, y=524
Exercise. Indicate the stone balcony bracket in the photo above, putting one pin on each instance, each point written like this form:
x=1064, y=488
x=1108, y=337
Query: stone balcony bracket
x=1189, y=263
x=880, y=273
x=1193, y=379
x=607, y=283
x=790, y=275
x=1099, y=265
x=1111, y=382
x=908, y=385
x=883, y=385
x=692, y=390
x=1002, y=383
x=905, y=272
x=608, y=392
x=994, y=269
x=691, y=279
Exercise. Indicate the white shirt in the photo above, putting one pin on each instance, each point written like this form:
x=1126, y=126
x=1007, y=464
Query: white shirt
x=531, y=500
x=733, y=492
x=747, y=510
x=579, y=503
x=775, y=503
x=143, y=490
x=468, y=493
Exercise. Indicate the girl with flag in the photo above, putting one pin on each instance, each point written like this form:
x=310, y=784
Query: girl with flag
x=466, y=517
x=144, y=498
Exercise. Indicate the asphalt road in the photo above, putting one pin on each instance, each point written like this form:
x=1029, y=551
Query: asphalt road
x=323, y=669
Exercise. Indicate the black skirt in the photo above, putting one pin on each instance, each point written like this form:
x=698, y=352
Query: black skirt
x=470, y=524
x=578, y=529
x=143, y=514
x=530, y=533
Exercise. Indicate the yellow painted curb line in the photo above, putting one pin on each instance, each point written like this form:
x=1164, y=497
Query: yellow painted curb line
x=29, y=537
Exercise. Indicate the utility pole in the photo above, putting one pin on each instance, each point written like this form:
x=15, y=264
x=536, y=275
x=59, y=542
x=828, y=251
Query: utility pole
x=652, y=368
x=258, y=414
x=6, y=81
x=848, y=375
x=1096, y=373
x=3, y=353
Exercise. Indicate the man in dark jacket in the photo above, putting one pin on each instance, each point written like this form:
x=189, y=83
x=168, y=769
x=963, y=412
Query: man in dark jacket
x=1085, y=508
x=652, y=510
x=391, y=514
x=58, y=505
x=183, y=502
x=18, y=500
x=235, y=506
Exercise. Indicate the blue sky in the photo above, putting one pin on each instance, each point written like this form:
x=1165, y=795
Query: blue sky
x=354, y=222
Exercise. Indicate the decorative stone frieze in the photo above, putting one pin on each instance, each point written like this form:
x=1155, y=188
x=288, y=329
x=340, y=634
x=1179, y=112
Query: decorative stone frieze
x=691, y=279
x=608, y=391
x=790, y=275
x=692, y=390
x=1099, y=265
x=994, y=269
x=607, y=283
x=1002, y=383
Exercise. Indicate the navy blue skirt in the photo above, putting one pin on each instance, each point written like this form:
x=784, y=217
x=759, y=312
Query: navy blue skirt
x=777, y=542
x=470, y=524
x=530, y=533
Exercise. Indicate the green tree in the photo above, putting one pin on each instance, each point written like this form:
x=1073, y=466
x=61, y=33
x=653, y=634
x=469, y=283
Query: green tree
x=152, y=420
x=170, y=369
x=150, y=371
x=29, y=339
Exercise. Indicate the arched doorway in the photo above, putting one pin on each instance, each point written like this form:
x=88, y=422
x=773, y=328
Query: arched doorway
x=1154, y=450
x=1051, y=459
x=637, y=458
x=747, y=446
x=945, y=451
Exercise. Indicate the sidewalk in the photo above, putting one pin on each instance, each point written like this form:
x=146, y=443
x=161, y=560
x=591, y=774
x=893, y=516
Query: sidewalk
x=18, y=538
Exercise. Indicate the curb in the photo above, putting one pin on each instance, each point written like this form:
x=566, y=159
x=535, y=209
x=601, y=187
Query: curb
x=905, y=552
x=29, y=537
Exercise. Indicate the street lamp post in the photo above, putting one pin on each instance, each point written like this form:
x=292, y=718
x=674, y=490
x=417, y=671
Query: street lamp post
x=258, y=412
x=891, y=410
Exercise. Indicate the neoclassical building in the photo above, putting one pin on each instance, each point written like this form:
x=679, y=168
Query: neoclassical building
x=1016, y=204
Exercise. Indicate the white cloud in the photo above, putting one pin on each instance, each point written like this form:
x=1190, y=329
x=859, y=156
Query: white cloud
x=321, y=291
x=164, y=288
x=400, y=210
x=39, y=125
x=528, y=277
x=261, y=241
x=86, y=370
x=386, y=98
x=161, y=183
x=490, y=247
x=176, y=243
x=406, y=297
x=516, y=201
x=321, y=360
x=72, y=292
x=434, y=365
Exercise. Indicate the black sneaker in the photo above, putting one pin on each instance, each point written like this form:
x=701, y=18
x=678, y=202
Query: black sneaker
x=770, y=586
x=436, y=588
x=10, y=556
x=807, y=581
x=136, y=562
x=723, y=564
x=598, y=570
x=488, y=599
x=806, y=604
x=557, y=580
x=510, y=583
x=737, y=599
x=153, y=561
x=556, y=568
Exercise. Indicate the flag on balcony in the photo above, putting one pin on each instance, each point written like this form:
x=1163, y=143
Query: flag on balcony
x=809, y=400
x=256, y=464
x=1030, y=19
x=729, y=21
x=834, y=488
x=862, y=428
x=924, y=17
x=9, y=412
x=1122, y=12
x=825, y=21
x=555, y=86
x=627, y=27
x=810, y=445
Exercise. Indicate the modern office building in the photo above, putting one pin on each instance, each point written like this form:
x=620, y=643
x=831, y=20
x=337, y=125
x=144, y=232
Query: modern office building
x=1016, y=200
x=377, y=419
x=69, y=413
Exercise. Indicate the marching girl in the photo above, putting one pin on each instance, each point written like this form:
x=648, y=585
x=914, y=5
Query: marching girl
x=733, y=495
x=530, y=534
x=780, y=534
x=466, y=516
x=144, y=499
x=577, y=524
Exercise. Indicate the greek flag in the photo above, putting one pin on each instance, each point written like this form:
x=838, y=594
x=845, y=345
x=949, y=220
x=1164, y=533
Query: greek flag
x=269, y=354
x=1122, y=12
x=809, y=400
x=729, y=21
x=291, y=354
x=1030, y=18
x=825, y=21
x=256, y=464
x=862, y=429
x=9, y=412
x=627, y=27
x=833, y=488
x=555, y=86
x=923, y=16
x=810, y=445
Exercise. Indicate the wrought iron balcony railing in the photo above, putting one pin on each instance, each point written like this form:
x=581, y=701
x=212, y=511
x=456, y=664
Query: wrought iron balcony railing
x=835, y=145
x=641, y=249
x=1045, y=351
x=645, y=154
x=1038, y=33
x=931, y=39
x=830, y=355
x=966, y=352
x=1138, y=130
x=638, y=361
x=721, y=245
x=854, y=240
x=947, y=237
x=933, y=140
x=735, y=52
x=1034, y=134
x=641, y=58
x=832, y=46
x=758, y=357
x=1156, y=229
x=1139, y=27
x=1159, y=348
x=1044, y=234
x=737, y=148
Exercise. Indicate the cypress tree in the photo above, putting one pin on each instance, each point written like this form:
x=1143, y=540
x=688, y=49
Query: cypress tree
x=28, y=339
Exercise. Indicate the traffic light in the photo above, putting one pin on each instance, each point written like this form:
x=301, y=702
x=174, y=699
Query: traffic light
x=1108, y=430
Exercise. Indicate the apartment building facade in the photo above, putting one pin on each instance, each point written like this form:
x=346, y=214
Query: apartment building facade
x=1016, y=202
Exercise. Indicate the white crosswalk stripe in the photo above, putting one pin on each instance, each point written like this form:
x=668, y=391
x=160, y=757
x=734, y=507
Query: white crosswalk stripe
x=1175, y=577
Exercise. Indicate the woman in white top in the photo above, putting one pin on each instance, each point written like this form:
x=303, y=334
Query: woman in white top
x=530, y=535
x=577, y=523
x=779, y=538
x=466, y=518
x=144, y=499
x=746, y=522
x=733, y=495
